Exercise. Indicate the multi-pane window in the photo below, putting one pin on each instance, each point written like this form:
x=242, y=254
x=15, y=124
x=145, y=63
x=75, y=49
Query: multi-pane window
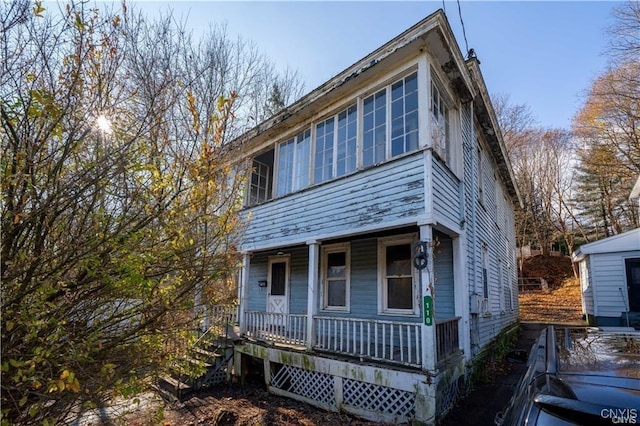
x=398, y=292
x=293, y=163
x=378, y=126
x=374, y=128
x=335, y=269
x=346, y=143
x=302, y=160
x=440, y=123
x=285, y=167
x=259, y=185
x=404, y=115
x=323, y=168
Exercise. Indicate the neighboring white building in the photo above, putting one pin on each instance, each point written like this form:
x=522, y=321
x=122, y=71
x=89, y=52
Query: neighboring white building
x=610, y=279
x=379, y=255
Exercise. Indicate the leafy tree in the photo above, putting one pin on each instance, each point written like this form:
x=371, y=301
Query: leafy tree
x=120, y=196
x=608, y=128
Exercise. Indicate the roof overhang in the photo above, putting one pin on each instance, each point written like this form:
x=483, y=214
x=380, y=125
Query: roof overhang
x=488, y=121
x=432, y=34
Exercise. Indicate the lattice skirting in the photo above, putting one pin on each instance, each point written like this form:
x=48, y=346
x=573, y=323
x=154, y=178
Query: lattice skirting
x=320, y=387
x=378, y=398
x=447, y=397
x=309, y=384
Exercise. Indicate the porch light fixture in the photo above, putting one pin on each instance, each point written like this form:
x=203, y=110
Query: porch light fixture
x=262, y=283
x=280, y=253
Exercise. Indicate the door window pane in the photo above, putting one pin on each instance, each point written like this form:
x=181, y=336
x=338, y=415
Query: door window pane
x=278, y=278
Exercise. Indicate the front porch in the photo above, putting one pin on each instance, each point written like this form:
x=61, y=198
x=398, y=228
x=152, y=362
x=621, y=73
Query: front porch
x=393, y=342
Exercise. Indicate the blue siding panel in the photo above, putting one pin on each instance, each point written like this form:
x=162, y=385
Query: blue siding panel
x=444, y=307
x=387, y=193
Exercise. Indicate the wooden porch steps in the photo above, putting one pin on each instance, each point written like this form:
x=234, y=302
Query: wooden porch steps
x=205, y=364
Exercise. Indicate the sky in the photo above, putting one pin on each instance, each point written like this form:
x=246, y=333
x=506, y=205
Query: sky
x=544, y=54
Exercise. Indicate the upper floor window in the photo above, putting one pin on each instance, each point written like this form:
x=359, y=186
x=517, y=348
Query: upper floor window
x=374, y=128
x=404, y=115
x=323, y=169
x=480, y=173
x=336, y=145
x=339, y=144
x=293, y=163
x=440, y=132
x=346, y=141
x=261, y=180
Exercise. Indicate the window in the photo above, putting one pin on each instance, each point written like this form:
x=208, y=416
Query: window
x=285, y=167
x=485, y=277
x=480, y=173
x=397, y=288
x=323, y=169
x=440, y=124
x=404, y=115
x=374, y=128
x=389, y=128
x=293, y=163
x=336, y=277
x=260, y=182
x=346, y=149
x=302, y=160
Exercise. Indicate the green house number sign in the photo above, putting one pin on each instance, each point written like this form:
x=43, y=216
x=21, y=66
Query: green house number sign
x=428, y=310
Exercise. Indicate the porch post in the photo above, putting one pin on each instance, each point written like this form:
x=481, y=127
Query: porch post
x=244, y=285
x=429, y=361
x=312, y=290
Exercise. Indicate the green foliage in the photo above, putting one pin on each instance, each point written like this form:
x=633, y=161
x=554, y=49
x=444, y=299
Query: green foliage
x=116, y=208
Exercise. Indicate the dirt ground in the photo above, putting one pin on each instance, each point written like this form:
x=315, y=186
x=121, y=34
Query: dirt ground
x=225, y=405
x=251, y=405
x=562, y=303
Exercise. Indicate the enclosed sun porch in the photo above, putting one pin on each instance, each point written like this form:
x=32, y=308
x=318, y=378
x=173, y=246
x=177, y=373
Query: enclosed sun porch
x=382, y=297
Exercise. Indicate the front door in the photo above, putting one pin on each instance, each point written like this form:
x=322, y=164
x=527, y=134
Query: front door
x=278, y=288
x=633, y=283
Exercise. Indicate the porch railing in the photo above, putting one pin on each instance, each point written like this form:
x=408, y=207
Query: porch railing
x=289, y=329
x=398, y=342
x=447, y=340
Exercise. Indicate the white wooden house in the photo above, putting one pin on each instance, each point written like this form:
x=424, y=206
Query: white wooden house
x=379, y=255
x=610, y=279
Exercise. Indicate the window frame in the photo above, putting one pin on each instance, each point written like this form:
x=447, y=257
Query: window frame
x=267, y=195
x=383, y=303
x=435, y=87
x=480, y=173
x=384, y=87
x=486, y=285
x=291, y=184
x=326, y=251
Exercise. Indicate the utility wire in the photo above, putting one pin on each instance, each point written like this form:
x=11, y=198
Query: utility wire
x=464, y=32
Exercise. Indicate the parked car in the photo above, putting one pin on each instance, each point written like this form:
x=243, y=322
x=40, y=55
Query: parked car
x=577, y=376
